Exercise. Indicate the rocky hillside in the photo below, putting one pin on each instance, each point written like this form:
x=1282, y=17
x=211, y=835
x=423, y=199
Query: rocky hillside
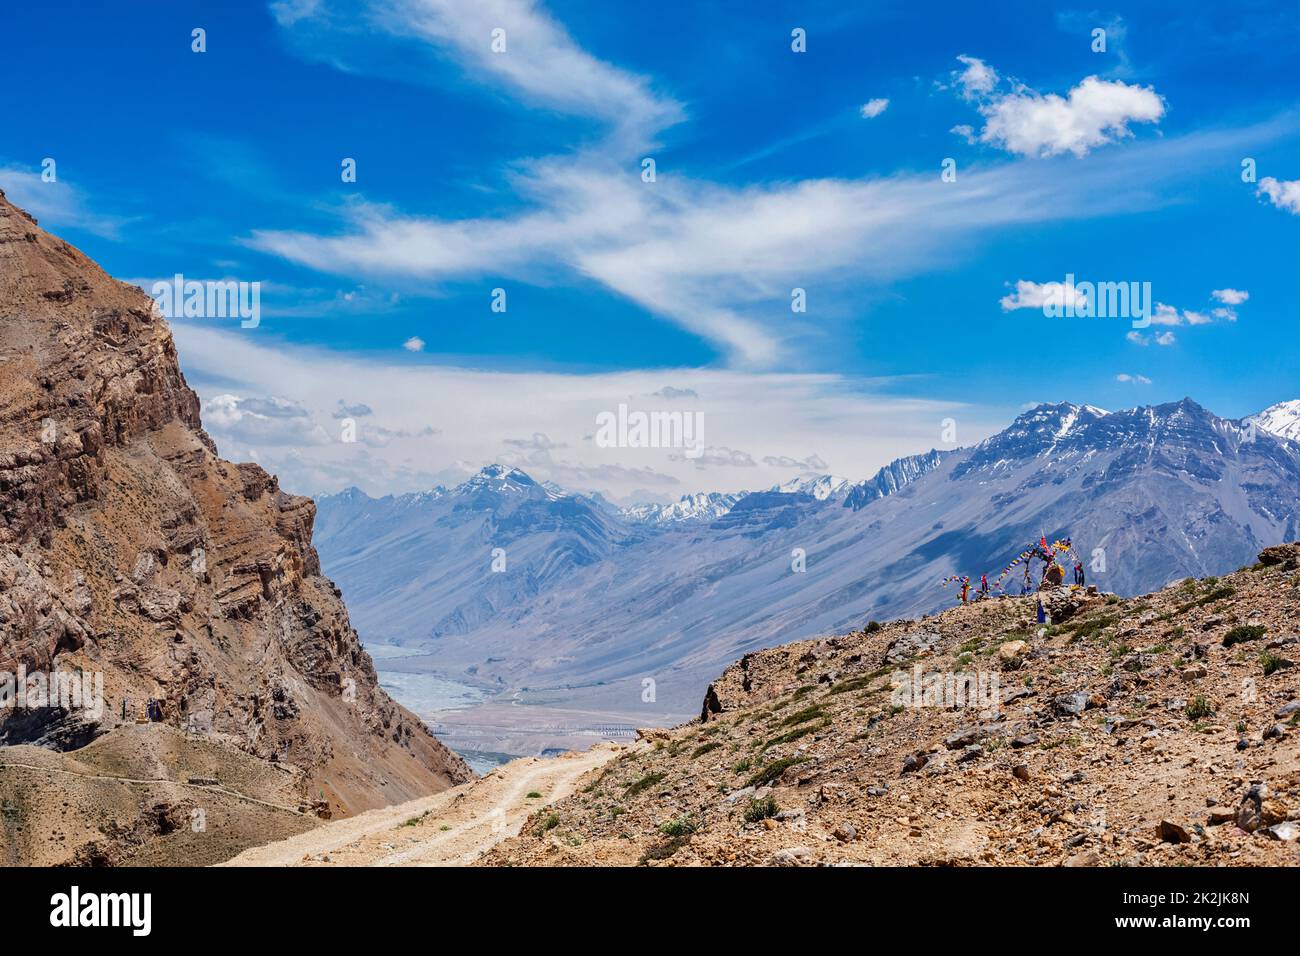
x=129, y=548
x=1155, y=730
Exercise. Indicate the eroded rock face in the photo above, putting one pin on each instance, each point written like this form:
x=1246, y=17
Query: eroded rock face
x=129, y=548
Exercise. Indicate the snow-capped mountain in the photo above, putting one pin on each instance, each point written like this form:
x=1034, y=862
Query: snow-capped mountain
x=593, y=600
x=1282, y=419
x=431, y=563
x=705, y=506
x=497, y=481
x=900, y=472
x=820, y=487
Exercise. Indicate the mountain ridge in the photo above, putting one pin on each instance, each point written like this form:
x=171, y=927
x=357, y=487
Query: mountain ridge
x=1148, y=494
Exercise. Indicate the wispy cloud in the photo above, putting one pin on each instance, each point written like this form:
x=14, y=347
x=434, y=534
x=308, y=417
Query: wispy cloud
x=513, y=44
x=721, y=260
x=57, y=203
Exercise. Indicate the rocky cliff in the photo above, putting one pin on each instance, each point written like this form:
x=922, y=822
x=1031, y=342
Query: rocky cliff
x=129, y=548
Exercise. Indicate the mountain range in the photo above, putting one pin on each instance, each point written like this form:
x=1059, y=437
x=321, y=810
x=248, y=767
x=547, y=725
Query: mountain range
x=628, y=611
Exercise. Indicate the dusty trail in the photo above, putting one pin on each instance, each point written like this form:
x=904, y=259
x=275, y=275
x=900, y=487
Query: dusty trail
x=204, y=788
x=452, y=828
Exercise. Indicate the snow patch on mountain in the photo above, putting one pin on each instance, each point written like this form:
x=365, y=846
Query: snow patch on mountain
x=1282, y=419
x=705, y=506
x=821, y=487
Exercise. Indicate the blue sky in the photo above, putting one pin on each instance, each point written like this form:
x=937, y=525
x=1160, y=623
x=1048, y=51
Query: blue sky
x=521, y=170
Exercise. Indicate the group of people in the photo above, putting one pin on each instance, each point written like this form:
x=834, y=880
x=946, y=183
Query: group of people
x=982, y=592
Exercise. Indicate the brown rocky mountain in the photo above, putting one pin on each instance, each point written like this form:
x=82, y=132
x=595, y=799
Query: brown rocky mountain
x=129, y=548
x=1154, y=730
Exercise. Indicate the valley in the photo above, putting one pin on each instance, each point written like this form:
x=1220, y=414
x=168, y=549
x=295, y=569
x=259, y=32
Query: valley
x=602, y=619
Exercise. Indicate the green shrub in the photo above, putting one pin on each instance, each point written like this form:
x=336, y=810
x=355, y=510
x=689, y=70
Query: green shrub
x=1199, y=708
x=682, y=826
x=1270, y=662
x=534, y=795
x=645, y=783
x=1242, y=633
x=761, y=810
x=815, y=712
x=702, y=749
x=772, y=772
x=665, y=849
x=795, y=734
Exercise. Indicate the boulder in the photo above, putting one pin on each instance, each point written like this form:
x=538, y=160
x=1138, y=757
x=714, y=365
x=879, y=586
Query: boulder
x=1285, y=831
x=1012, y=651
x=1280, y=554
x=791, y=856
x=1070, y=705
x=912, y=644
x=1171, y=832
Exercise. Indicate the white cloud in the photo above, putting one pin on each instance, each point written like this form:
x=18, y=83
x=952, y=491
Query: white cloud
x=670, y=392
x=541, y=62
x=765, y=414
x=715, y=457
x=1165, y=314
x=977, y=79
x=873, y=108
x=538, y=442
x=414, y=344
x=1132, y=379
x=259, y=421
x=57, y=203
x=1137, y=338
x=1166, y=338
x=719, y=261
x=1284, y=194
x=1034, y=295
x=813, y=464
x=1028, y=123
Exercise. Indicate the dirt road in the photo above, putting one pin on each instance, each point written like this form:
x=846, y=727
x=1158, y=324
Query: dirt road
x=452, y=828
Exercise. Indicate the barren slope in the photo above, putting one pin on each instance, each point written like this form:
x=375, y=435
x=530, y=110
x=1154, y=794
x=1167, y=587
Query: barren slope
x=1154, y=730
